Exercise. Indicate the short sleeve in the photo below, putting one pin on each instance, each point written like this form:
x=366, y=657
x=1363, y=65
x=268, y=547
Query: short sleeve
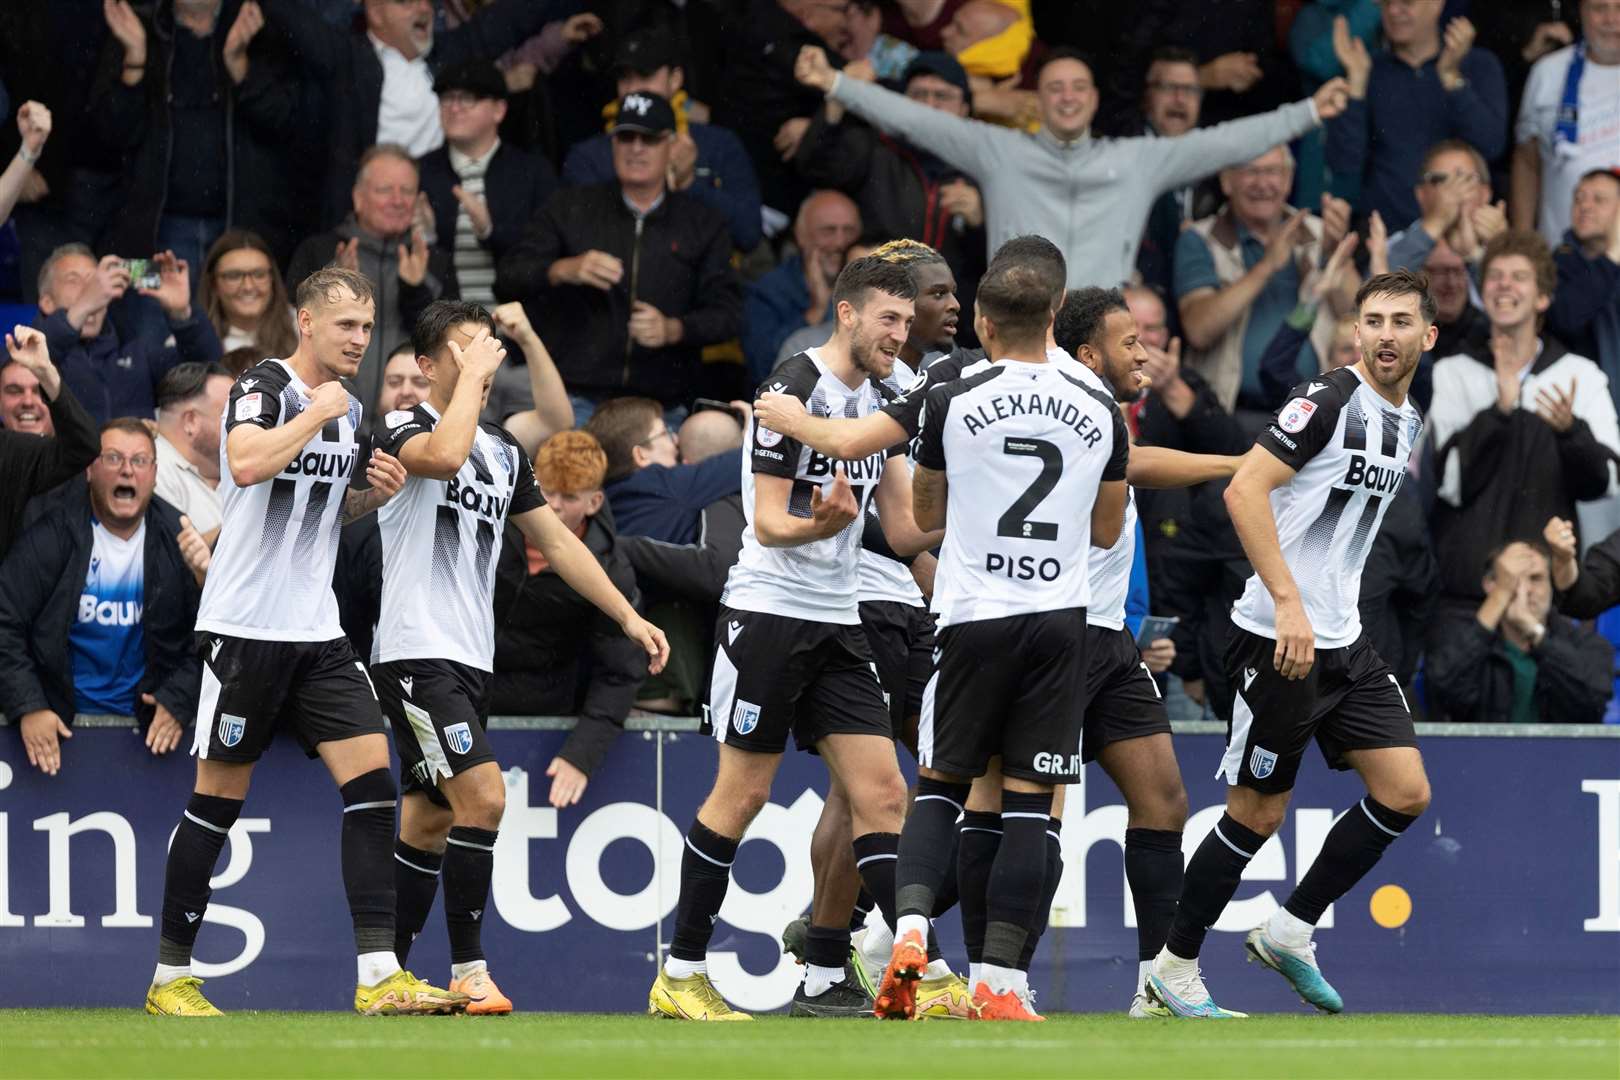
x=1121, y=454
x=400, y=427
x=1195, y=266
x=254, y=400
x=1304, y=424
x=930, y=452
x=771, y=452
x=1538, y=107
x=526, y=493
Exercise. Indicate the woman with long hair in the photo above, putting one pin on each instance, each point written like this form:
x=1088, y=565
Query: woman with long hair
x=244, y=296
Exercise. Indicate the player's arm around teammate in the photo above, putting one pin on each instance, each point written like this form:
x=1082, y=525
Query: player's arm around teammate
x=839, y=439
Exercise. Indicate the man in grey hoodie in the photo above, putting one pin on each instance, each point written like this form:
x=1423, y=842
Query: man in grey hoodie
x=1090, y=196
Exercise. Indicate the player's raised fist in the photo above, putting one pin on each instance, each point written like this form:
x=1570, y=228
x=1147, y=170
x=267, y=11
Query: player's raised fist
x=811, y=68
x=329, y=400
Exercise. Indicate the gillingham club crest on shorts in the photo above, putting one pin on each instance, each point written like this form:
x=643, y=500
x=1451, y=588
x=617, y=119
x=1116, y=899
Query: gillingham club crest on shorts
x=1261, y=762
x=458, y=737
x=744, y=717
x=231, y=729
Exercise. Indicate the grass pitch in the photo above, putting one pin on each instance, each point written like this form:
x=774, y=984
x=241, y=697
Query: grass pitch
x=127, y=1043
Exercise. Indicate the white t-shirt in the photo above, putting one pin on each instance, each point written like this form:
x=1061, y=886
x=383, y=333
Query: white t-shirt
x=1598, y=132
x=181, y=486
x=409, y=111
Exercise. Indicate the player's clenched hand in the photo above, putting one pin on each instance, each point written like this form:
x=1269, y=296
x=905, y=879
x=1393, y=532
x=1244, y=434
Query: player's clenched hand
x=652, y=639
x=40, y=731
x=481, y=357
x=1296, y=641
x=164, y=733
x=779, y=412
x=385, y=473
x=836, y=509
x=567, y=783
x=329, y=400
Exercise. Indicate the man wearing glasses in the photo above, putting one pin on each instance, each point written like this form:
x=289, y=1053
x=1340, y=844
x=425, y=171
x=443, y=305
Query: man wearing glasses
x=97, y=607
x=1171, y=101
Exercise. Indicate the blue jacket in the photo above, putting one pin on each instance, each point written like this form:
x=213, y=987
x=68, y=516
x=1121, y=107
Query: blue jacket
x=725, y=177
x=1585, y=312
x=1383, y=137
x=773, y=307
x=114, y=378
x=667, y=504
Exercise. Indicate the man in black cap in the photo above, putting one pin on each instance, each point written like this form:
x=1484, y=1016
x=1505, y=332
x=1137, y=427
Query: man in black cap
x=902, y=189
x=630, y=278
x=706, y=161
x=483, y=191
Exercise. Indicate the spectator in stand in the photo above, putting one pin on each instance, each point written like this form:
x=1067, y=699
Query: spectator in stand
x=33, y=128
x=555, y=653
x=191, y=409
x=1585, y=313
x=1568, y=122
x=1453, y=195
x=1091, y=197
x=1399, y=581
x=1584, y=591
x=1423, y=88
x=1516, y=659
x=109, y=376
x=1171, y=101
x=650, y=491
x=46, y=437
x=865, y=40
x=1523, y=430
x=1280, y=363
x=97, y=609
x=236, y=361
x=796, y=294
x=381, y=240
x=244, y=297
x=991, y=39
x=1240, y=273
x=378, y=73
x=921, y=22
x=1520, y=33
x=903, y=189
x=403, y=386
x=482, y=190
x=573, y=267
x=706, y=161
x=215, y=118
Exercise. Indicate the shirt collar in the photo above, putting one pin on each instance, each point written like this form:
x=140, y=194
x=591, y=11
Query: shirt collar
x=638, y=211
x=461, y=162
x=181, y=461
x=388, y=54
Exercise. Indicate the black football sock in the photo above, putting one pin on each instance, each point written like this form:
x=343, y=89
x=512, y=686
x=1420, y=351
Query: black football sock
x=827, y=946
x=876, y=857
x=925, y=846
x=1154, y=867
x=416, y=882
x=469, y=859
x=368, y=856
x=1049, y=888
x=978, y=838
x=1212, y=878
x=1018, y=877
x=204, y=826
x=1353, y=846
x=705, y=876
x=863, y=907
x=945, y=899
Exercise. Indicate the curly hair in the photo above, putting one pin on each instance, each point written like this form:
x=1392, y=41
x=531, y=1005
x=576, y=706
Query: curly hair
x=904, y=252
x=570, y=462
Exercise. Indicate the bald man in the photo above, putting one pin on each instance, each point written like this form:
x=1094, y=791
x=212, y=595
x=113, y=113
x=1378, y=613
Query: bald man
x=707, y=433
x=795, y=294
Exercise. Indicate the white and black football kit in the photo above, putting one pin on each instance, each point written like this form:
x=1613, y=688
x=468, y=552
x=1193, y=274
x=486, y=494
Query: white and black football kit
x=790, y=654
x=1349, y=448
x=267, y=625
x=1024, y=448
x=899, y=628
x=435, y=643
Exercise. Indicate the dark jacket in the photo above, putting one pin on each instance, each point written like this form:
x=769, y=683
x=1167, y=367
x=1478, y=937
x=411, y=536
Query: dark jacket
x=1471, y=678
x=724, y=177
x=677, y=258
x=516, y=185
x=896, y=185
x=346, y=64
x=1516, y=473
x=1598, y=587
x=31, y=464
x=665, y=503
x=697, y=570
x=40, y=583
x=556, y=653
x=1398, y=584
x=398, y=304
x=112, y=377
x=267, y=131
x=1585, y=312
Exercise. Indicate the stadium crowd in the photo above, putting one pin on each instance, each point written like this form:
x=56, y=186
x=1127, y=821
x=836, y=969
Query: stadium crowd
x=653, y=199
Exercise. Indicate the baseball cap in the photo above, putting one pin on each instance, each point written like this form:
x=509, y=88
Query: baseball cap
x=481, y=78
x=642, y=110
x=646, y=52
x=940, y=64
